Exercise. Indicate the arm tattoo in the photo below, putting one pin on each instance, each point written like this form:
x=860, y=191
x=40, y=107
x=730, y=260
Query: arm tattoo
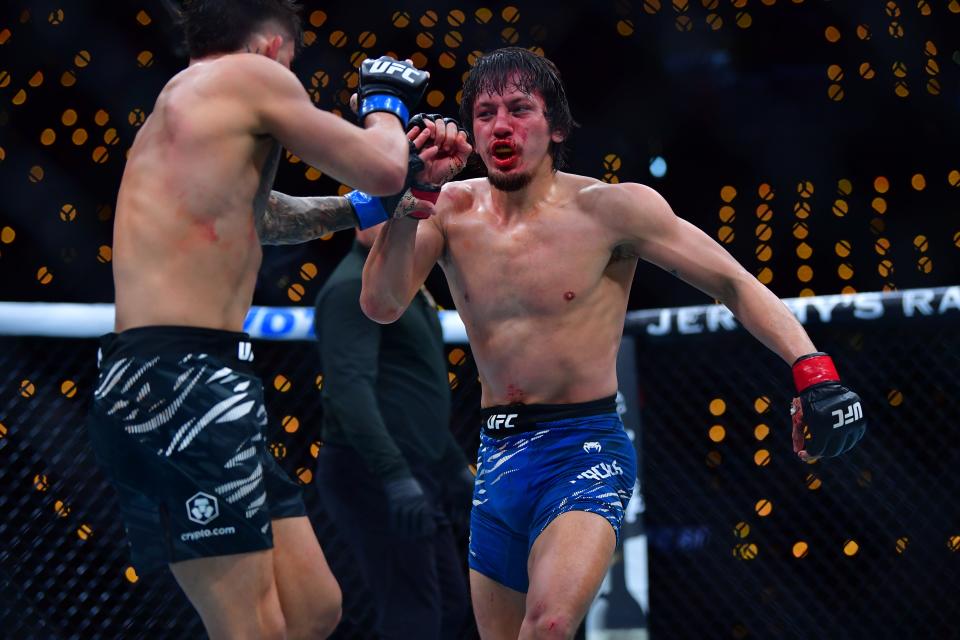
x=291, y=220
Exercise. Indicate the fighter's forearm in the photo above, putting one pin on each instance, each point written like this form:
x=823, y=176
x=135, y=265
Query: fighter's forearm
x=291, y=220
x=768, y=319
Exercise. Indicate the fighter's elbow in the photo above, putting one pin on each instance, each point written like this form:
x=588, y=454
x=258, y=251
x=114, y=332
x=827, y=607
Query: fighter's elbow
x=379, y=309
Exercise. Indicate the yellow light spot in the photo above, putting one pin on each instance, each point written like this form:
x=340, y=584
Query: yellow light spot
x=925, y=264
x=843, y=248
x=953, y=543
x=144, y=19
x=717, y=407
x=281, y=383
x=763, y=252
x=296, y=292
x=953, y=178
x=457, y=356
x=805, y=189
x=765, y=276
x=725, y=234
x=728, y=193
x=900, y=88
x=804, y=251
x=68, y=78
x=278, y=450
x=290, y=424
x=901, y=544
x=100, y=154
x=304, y=475
x=312, y=174
x=804, y=273
x=835, y=73
x=482, y=15
x=44, y=276
x=800, y=549
x=447, y=60
x=435, y=98
x=79, y=136
x=419, y=60
x=55, y=17
x=918, y=182
x=36, y=79
x=761, y=431
x=920, y=243
x=741, y=530
x=110, y=136
x=82, y=59
x=832, y=34
x=727, y=213
x=315, y=449
x=748, y=551
x=145, y=59
x=4, y=36
x=131, y=575
x=68, y=388
x=61, y=509
x=845, y=271
x=48, y=137
x=19, y=98
x=717, y=433
x=763, y=508
x=761, y=457
x=36, y=173
x=104, y=254
x=625, y=27
x=84, y=531
x=429, y=18
x=40, y=482
x=840, y=207
x=895, y=397
x=800, y=230
x=850, y=547
x=456, y=18
x=813, y=482
x=879, y=205
x=7, y=235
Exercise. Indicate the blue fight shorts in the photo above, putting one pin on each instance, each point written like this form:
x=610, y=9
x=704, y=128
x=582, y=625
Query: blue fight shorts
x=537, y=462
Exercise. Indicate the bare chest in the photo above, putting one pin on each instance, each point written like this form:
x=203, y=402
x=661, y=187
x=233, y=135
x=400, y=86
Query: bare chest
x=540, y=267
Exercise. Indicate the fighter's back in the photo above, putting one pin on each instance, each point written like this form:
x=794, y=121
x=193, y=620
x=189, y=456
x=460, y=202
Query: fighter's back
x=186, y=250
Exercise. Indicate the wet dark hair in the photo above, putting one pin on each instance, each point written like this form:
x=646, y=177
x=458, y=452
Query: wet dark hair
x=224, y=26
x=532, y=73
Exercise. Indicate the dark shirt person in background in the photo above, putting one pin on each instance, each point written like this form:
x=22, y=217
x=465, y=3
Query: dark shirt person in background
x=390, y=473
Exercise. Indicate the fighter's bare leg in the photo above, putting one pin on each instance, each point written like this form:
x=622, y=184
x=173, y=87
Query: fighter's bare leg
x=498, y=609
x=309, y=594
x=566, y=566
x=235, y=595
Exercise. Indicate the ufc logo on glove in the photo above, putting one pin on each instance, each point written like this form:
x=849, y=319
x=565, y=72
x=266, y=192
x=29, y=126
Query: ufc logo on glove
x=410, y=74
x=853, y=413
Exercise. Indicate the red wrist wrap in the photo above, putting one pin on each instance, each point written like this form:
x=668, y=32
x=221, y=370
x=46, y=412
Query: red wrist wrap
x=430, y=195
x=814, y=369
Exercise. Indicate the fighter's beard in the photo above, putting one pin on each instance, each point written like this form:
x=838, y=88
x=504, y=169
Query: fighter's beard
x=509, y=181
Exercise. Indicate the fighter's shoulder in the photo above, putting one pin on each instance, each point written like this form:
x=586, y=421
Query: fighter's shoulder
x=244, y=72
x=616, y=197
x=460, y=196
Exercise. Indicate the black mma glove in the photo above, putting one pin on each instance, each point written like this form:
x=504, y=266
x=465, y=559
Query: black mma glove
x=409, y=512
x=389, y=85
x=827, y=416
x=458, y=499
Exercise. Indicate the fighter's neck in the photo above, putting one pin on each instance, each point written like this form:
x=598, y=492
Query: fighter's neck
x=511, y=204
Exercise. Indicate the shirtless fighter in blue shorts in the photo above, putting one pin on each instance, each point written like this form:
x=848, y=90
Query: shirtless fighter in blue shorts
x=540, y=264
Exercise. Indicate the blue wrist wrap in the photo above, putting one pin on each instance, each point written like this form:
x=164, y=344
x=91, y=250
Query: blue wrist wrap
x=369, y=210
x=384, y=102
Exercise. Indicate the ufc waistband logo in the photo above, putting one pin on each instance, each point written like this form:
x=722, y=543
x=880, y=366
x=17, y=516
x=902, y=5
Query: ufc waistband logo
x=498, y=420
x=393, y=68
x=853, y=413
x=245, y=351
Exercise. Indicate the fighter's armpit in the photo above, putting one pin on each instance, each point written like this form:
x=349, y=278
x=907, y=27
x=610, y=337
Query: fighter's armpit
x=292, y=220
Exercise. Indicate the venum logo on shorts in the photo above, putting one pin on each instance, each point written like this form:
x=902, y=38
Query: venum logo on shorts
x=202, y=508
x=501, y=420
x=592, y=447
x=601, y=471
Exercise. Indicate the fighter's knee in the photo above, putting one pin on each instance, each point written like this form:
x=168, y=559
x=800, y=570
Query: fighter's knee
x=548, y=624
x=320, y=621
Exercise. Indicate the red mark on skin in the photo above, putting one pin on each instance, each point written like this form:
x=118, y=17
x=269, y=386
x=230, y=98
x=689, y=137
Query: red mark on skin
x=514, y=394
x=208, y=231
x=569, y=295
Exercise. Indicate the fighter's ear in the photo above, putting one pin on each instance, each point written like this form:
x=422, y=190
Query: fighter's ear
x=273, y=47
